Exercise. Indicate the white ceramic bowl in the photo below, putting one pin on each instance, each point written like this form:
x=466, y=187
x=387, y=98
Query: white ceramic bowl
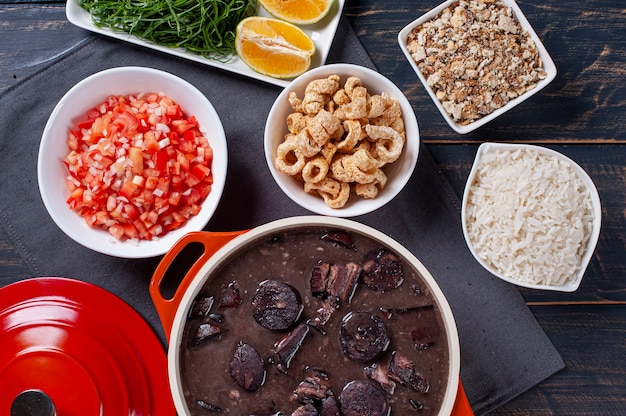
x=548, y=64
x=573, y=281
x=92, y=91
x=398, y=173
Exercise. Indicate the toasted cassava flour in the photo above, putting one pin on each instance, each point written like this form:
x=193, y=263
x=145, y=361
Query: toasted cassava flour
x=476, y=57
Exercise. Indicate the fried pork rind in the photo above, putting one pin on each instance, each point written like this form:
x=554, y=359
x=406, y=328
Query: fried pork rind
x=353, y=136
x=339, y=139
x=315, y=170
x=370, y=190
x=317, y=92
x=289, y=159
x=335, y=193
x=359, y=167
x=388, y=143
x=296, y=122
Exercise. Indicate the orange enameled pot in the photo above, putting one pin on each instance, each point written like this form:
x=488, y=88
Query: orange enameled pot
x=174, y=311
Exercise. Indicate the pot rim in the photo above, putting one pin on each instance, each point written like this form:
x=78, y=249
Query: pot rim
x=175, y=337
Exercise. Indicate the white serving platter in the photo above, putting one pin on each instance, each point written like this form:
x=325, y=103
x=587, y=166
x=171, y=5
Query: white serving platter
x=322, y=34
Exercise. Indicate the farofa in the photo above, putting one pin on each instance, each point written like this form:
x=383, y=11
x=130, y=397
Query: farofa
x=476, y=57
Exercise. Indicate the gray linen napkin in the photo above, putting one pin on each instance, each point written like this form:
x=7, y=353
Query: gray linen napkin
x=504, y=351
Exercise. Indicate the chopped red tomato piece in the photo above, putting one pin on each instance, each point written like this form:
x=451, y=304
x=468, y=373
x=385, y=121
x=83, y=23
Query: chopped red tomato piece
x=138, y=166
x=160, y=160
x=200, y=171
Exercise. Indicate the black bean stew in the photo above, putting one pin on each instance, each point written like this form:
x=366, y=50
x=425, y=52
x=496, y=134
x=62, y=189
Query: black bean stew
x=310, y=322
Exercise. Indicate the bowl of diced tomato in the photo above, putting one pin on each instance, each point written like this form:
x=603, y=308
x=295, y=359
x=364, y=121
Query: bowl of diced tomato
x=130, y=160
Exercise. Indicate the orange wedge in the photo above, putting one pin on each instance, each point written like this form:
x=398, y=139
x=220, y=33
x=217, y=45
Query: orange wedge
x=299, y=12
x=274, y=47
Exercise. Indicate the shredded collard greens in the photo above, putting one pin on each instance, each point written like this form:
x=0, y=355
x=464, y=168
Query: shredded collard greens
x=203, y=27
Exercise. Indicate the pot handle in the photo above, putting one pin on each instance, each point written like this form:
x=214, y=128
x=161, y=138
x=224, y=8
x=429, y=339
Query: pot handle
x=166, y=308
x=462, y=406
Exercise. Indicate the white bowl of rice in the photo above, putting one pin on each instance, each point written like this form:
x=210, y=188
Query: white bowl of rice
x=531, y=216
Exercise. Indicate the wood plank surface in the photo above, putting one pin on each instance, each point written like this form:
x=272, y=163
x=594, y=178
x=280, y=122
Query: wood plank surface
x=32, y=36
x=581, y=114
x=593, y=381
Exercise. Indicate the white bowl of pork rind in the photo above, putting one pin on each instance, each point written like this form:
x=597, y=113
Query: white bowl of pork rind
x=320, y=192
x=531, y=216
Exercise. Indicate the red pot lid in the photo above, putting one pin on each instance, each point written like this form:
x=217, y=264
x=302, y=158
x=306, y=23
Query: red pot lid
x=88, y=350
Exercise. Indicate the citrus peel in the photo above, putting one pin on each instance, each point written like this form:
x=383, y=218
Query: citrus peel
x=299, y=12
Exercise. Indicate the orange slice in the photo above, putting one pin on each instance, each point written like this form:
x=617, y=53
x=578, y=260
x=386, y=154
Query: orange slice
x=299, y=12
x=274, y=47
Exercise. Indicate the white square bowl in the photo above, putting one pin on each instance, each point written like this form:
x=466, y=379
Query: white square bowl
x=548, y=65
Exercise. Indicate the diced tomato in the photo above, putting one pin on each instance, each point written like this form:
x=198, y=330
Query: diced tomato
x=142, y=228
x=136, y=159
x=190, y=210
x=137, y=166
x=192, y=121
x=128, y=189
x=189, y=135
x=161, y=204
x=131, y=231
x=131, y=211
x=156, y=230
x=151, y=218
x=148, y=198
x=180, y=125
x=160, y=160
x=188, y=142
x=194, y=197
x=174, y=137
x=163, y=187
x=183, y=161
x=204, y=188
x=177, y=219
x=99, y=126
x=93, y=113
x=129, y=124
x=112, y=101
x=76, y=195
x=200, y=171
x=177, y=183
x=151, y=182
x=86, y=124
x=174, y=198
x=150, y=142
x=173, y=110
x=117, y=231
x=191, y=180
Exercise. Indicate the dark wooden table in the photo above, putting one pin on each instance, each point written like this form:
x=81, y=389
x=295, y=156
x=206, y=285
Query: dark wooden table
x=581, y=114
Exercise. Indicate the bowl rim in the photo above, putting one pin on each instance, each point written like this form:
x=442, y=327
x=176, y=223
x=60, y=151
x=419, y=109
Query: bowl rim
x=548, y=65
x=222, y=254
x=356, y=206
x=78, y=230
x=573, y=284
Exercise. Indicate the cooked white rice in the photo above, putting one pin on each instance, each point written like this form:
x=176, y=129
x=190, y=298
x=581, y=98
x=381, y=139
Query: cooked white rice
x=529, y=216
